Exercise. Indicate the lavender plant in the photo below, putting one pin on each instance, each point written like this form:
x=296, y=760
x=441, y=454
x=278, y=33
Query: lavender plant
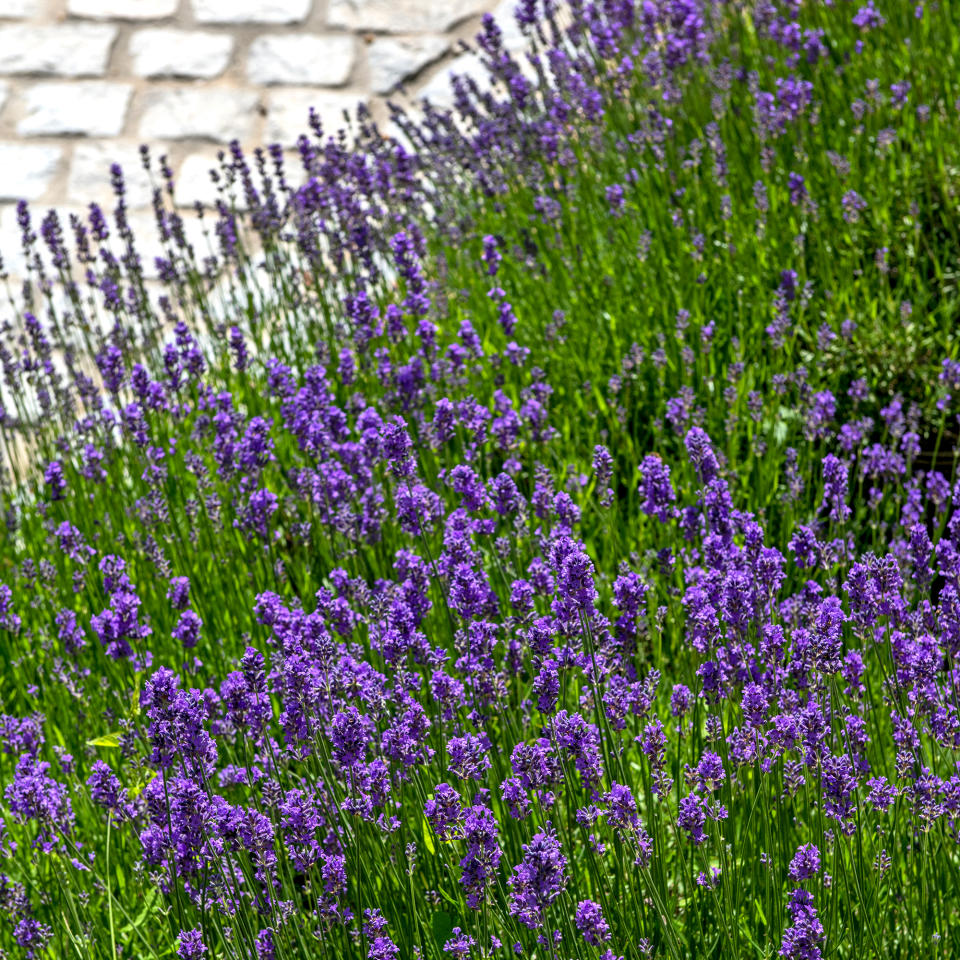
x=532, y=532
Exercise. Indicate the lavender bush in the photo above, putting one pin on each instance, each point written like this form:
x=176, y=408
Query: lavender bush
x=529, y=530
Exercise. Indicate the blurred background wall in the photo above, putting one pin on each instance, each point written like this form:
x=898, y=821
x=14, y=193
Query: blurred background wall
x=84, y=82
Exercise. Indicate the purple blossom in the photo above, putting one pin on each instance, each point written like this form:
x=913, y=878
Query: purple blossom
x=32, y=935
x=187, y=629
x=37, y=797
x=444, y=810
x=107, y=791
x=459, y=944
x=468, y=757
x=590, y=922
x=55, y=480
x=852, y=205
x=835, y=489
x=491, y=255
x=868, y=17
x=806, y=862
x=190, y=945
x=482, y=858
x=538, y=880
x=700, y=452
x=656, y=489
x=349, y=737
x=802, y=940
x=265, y=945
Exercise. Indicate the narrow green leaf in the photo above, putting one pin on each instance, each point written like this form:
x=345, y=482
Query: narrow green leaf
x=107, y=740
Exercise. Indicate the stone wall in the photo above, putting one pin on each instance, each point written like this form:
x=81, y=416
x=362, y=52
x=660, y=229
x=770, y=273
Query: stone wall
x=84, y=82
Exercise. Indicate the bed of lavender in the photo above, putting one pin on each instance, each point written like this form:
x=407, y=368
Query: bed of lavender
x=525, y=530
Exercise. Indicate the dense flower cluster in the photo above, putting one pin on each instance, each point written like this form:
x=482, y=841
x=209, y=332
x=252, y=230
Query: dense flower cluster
x=500, y=538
